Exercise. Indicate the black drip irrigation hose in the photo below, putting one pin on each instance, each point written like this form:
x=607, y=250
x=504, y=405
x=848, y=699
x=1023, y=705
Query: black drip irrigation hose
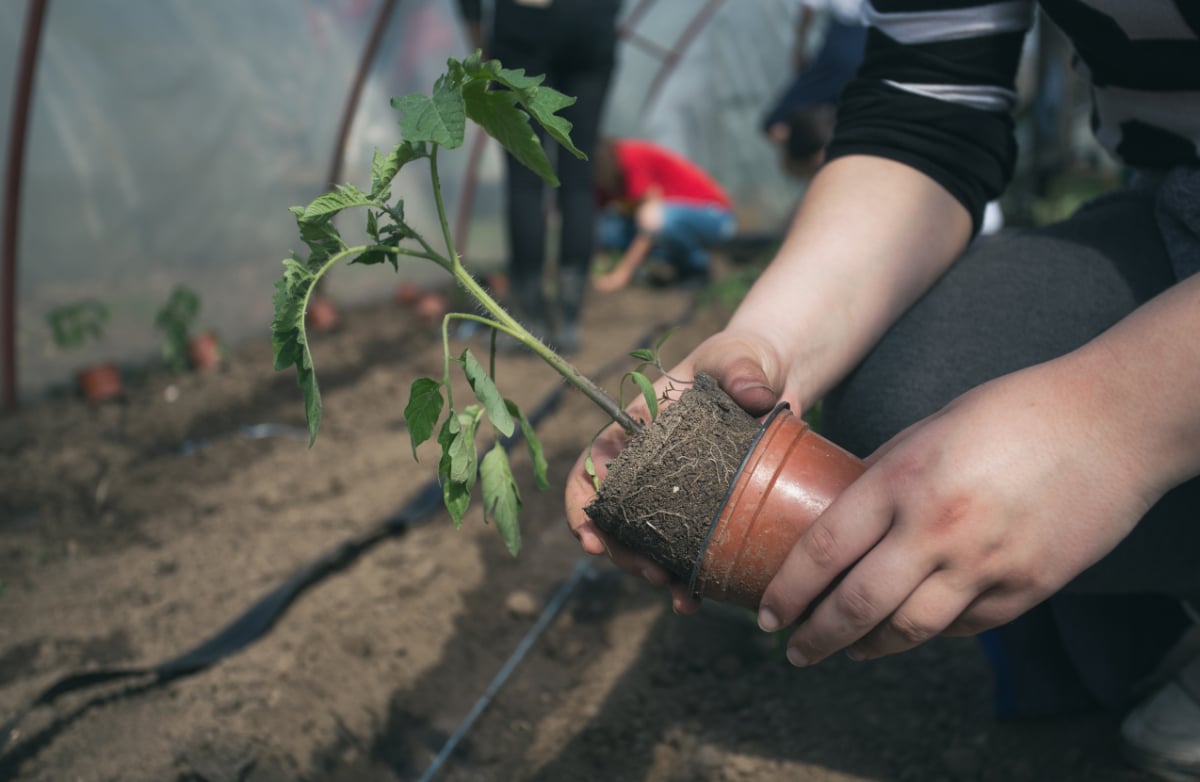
x=263, y=615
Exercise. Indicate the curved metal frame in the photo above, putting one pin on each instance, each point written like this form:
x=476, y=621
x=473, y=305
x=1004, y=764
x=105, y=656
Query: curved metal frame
x=22, y=97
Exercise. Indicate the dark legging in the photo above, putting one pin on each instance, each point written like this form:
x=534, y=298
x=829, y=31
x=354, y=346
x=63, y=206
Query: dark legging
x=1014, y=300
x=573, y=44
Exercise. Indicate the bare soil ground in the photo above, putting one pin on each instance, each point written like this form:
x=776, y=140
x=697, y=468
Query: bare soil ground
x=131, y=532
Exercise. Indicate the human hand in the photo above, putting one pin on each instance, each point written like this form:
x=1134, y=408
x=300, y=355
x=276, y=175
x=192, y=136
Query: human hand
x=613, y=281
x=747, y=371
x=964, y=520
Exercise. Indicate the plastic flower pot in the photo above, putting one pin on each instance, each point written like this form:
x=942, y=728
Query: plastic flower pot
x=100, y=383
x=322, y=315
x=204, y=351
x=407, y=294
x=789, y=477
x=432, y=307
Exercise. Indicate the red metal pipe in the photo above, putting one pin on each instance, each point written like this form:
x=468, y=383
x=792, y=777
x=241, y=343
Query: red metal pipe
x=466, y=198
x=356, y=87
x=626, y=25
x=681, y=45
x=22, y=97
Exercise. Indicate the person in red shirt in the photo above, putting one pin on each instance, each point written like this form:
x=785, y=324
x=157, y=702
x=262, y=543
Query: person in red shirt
x=659, y=203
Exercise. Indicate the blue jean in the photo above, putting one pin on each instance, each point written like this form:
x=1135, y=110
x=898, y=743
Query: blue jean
x=687, y=231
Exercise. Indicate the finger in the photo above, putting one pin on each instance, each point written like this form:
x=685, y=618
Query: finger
x=993, y=608
x=682, y=601
x=746, y=383
x=934, y=606
x=745, y=371
x=866, y=596
x=847, y=530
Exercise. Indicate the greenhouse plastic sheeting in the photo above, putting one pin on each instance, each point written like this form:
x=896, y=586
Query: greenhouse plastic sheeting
x=167, y=139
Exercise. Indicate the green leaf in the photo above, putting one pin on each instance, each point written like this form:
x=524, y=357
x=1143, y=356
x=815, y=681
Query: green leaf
x=374, y=258
x=456, y=493
x=497, y=113
x=544, y=108
x=536, y=455
x=289, y=340
x=501, y=498
x=440, y=118
x=372, y=225
x=321, y=237
x=642, y=354
x=589, y=467
x=385, y=167
x=462, y=456
x=326, y=206
x=663, y=339
x=541, y=102
x=648, y=392
x=423, y=410
x=487, y=393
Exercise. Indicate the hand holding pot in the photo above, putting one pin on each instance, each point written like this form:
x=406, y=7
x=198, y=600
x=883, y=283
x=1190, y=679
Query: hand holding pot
x=580, y=491
x=964, y=520
x=742, y=368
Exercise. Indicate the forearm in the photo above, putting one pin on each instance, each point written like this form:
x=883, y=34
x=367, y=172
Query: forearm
x=870, y=237
x=634, y=254
x=1141, y=379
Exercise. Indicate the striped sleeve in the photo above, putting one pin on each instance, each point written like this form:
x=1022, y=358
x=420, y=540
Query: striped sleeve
x=936, y=91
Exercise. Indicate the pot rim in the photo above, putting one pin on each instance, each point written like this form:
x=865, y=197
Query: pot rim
x=712, y=525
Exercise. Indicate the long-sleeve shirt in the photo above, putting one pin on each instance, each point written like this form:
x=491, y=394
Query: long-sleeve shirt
x=936, y=89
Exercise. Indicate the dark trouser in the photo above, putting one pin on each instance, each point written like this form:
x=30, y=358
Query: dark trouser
x=1013, y=300
x=572, y=42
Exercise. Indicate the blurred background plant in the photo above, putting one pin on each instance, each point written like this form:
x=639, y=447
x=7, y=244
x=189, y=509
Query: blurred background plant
x=175, y=321
x=74, y=324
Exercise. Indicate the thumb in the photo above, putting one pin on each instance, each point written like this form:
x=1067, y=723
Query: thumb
x=745, y=371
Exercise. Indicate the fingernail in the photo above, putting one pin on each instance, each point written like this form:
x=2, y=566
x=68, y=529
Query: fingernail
x=767, y=621
x=796, y=657
x=855, y=655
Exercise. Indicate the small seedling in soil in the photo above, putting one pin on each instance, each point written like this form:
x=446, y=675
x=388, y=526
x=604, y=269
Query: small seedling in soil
x=503, y=102
x=74, y=324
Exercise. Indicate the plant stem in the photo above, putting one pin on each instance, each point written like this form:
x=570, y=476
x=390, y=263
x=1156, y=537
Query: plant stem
x=513, y=327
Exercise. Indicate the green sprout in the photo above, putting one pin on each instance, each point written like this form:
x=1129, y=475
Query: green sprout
x=74, y=324
x=503, y=102
x=175, y=321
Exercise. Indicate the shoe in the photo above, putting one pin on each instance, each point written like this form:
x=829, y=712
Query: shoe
x=1162, y=735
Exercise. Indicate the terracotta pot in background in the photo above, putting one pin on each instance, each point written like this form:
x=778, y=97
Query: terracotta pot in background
x=204, y=351
x=432, y=307
x=322, y=315
x=407, y=293
x=497, y=282
x=100, y=383
x=790, y=476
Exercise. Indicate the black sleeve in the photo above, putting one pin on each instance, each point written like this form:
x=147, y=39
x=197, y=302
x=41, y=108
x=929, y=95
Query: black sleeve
x=940, y=105
x=471, y=10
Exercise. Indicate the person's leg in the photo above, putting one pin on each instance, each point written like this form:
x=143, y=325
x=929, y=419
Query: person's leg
x=614, y=231
x=515, y=44
x=685, y=232
x=1013, y=300
x=577, y=196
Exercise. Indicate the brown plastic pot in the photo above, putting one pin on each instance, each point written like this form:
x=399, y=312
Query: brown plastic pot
x=100, y=383
x=789, y=477
x=322, y=315
x=407, y=294
x=204, y=351
x=432, y=307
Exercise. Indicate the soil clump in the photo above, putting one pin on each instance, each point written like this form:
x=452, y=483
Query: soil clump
x=662, y=493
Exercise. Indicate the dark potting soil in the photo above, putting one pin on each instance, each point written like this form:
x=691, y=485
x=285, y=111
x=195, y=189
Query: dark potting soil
x=663, y=491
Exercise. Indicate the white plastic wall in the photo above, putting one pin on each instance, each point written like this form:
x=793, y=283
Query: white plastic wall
x=167, y=139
